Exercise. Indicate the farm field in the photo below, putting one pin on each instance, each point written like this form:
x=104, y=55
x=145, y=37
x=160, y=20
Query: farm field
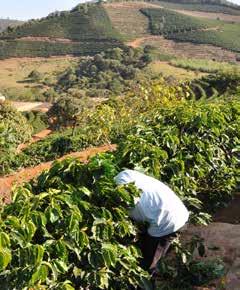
x=211, y=15
x=26, y=174
x=181, y=27
x=227, y=35
x=139, y=88
x=14, y=74
x=163, y=114
x=207, y=66
x=168, y=70
x=185, y=49
x=127, y=18
x=196, y=6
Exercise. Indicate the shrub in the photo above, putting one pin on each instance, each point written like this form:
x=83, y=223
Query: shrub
x=193, y=148
x=71, y=230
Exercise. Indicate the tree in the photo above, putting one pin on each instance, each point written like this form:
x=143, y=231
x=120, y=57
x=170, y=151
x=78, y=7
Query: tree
x=14, y=122
x=64, y=112
x=14, y=130
x=35, y=76
x=50, y=95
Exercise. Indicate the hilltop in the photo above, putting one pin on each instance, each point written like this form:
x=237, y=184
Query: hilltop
x=4, y=23
x=86, y=29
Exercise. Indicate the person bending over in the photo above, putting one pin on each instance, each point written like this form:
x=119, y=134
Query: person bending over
x=161, y=208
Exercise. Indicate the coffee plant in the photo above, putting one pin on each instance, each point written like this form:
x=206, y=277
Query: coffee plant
x=70, y=230
x=193, y=147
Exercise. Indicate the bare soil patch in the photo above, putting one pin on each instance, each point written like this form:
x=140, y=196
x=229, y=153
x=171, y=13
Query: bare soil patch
x=26, y=174
x=31, y=106
x=35, y=138
x=230, y=214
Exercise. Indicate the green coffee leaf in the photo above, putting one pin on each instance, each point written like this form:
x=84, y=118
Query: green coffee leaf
x=5, y=258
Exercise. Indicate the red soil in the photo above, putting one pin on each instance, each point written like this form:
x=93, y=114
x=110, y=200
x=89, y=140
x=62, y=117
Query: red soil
x=35, y=138
x=26, y=174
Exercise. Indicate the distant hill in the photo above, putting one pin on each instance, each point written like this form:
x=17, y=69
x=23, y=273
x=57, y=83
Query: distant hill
x=214, y=2
x=180, y=27
x=4, y=23
x=91, y=28
x=215, y=6
x=86, y=29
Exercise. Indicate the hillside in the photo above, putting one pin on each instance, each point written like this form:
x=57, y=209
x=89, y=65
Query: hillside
x=86, y=29
x=202, y=5
x=176, y=26
x=92, y=28
x=4, y=23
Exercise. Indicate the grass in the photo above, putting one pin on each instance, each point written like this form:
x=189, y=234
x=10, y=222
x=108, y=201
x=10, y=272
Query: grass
x=204, y=65
x=127, y=18
x=13, y=73
x=167, y=70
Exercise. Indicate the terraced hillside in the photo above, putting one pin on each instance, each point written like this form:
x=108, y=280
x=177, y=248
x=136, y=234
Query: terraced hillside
x=86, y=29
x=127, y=18
x=91, y=28
x=211, y=15
x=176, y=26
x=204, y=6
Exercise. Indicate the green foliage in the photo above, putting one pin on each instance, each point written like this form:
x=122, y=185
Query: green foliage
x=64, y=112
x=15, y=124
x=204, y=6
x=193, y=148
x=24, y=48
x=204, y=65
x=183, y=269
x=8, y=24
x=35, y=76
x=37, y=120
x=87, y=31
x=14, y=130
x=225, y=84
x=227, y=35
x=71, y=230
x=108, y=122
x=166, y=22
x=79, y=24
x=176, y=26
x=108, y=73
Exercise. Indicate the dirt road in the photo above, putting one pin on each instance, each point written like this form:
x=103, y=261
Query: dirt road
x=35, y=138
x=26, y=174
